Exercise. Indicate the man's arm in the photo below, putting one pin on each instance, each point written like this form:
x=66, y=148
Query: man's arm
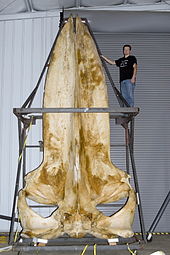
x=135, y=68
x=108, y=60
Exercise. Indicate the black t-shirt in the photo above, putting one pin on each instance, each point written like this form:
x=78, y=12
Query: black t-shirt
x=126, y=67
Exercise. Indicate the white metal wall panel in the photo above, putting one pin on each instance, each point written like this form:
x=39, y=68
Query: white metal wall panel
x=25, y=45
x=152, y=135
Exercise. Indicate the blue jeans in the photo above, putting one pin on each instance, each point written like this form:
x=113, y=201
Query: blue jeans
x=127, y=90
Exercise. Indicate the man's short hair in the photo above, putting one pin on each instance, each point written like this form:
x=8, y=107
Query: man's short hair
x=127, y=45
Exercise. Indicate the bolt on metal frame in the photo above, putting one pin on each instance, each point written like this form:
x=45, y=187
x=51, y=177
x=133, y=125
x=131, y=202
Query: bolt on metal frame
x=123, y=115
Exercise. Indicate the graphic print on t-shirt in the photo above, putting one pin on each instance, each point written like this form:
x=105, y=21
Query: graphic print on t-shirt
x=124, y=63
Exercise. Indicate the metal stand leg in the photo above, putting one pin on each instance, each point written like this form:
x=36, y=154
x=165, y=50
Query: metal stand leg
x=127, y=147
x=158, y=217
x=131, y=150
x=22, y=133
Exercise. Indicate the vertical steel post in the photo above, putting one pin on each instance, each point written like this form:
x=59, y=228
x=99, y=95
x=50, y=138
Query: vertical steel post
x=131, y=150
x=24, y=167
x=132, y=134
x=127, y=147
x=22, y=132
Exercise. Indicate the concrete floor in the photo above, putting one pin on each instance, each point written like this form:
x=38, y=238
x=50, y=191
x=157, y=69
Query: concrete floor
x=158, y=243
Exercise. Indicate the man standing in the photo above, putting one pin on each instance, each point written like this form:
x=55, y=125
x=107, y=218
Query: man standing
x=128, y=71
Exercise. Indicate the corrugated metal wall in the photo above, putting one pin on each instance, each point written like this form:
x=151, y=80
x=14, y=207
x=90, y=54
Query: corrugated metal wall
x=152, y=134
x=24, y=47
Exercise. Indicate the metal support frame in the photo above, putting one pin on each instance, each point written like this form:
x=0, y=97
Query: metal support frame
x=22, y=135
x=71, y=244
x=131, y=151
x=158, y=217
x=124, y=115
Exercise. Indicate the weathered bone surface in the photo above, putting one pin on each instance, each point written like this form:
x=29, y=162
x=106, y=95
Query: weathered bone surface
x=76, y=173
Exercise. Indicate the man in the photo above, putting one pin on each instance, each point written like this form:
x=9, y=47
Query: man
x=128, y=71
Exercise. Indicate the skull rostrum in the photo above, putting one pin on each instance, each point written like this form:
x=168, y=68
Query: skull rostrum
x=76, y=173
